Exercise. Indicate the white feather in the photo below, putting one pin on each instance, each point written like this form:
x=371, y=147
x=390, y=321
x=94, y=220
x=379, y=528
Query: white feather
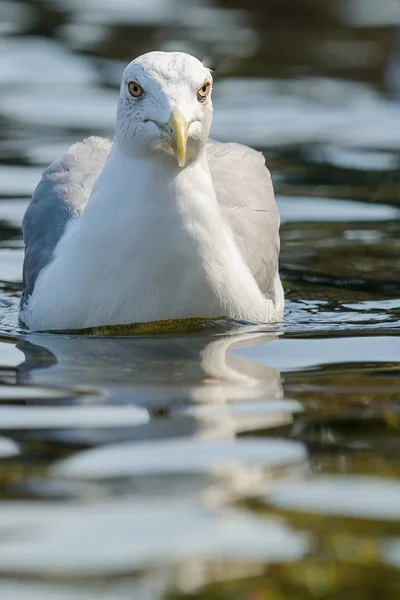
x=151, y=244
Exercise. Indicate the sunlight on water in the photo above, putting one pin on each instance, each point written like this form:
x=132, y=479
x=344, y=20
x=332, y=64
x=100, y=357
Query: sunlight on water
x=224, y=460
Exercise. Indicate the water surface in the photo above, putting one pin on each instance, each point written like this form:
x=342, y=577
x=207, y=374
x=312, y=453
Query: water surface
x=242, y=461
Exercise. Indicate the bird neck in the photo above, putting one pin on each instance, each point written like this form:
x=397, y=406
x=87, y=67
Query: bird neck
x=132, y=194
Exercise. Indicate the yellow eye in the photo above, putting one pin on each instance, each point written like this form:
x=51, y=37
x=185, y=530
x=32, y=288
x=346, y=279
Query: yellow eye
x=135, y=89
x=204, y=91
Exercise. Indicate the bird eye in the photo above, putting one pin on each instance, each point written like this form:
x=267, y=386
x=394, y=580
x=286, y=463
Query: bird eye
x=203, y=92
x=135, y=89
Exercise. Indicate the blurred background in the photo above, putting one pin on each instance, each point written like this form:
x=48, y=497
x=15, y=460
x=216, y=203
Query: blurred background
x=287, y=483
x=289, y=73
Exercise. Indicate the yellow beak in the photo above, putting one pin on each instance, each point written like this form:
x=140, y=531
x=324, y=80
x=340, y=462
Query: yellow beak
x=178, y=128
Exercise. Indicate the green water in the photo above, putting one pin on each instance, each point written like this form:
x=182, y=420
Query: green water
x=234, y=462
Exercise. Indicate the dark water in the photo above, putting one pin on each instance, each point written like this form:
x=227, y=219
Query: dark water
x=234, y=463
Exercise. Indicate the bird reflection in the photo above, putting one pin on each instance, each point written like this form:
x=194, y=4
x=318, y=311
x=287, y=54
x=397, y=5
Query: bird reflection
x=181, y=361
x=191, y=384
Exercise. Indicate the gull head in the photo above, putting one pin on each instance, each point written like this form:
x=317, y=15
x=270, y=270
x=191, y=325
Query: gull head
x=164, y=107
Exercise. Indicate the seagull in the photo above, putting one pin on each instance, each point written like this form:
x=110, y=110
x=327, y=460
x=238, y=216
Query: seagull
x=161, y=224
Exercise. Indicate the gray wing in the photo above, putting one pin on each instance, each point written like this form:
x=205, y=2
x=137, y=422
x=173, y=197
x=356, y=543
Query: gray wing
x=60, y=196
x=246, y=197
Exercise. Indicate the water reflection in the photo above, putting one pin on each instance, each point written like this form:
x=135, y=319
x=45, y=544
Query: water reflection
x=200, y=362
x=123, y=530
x=121, y=458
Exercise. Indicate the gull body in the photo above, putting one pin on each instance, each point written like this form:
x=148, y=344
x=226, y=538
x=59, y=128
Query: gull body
x=161, y=224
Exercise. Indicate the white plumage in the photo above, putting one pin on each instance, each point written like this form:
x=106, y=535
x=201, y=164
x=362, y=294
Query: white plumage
x=120, y=233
